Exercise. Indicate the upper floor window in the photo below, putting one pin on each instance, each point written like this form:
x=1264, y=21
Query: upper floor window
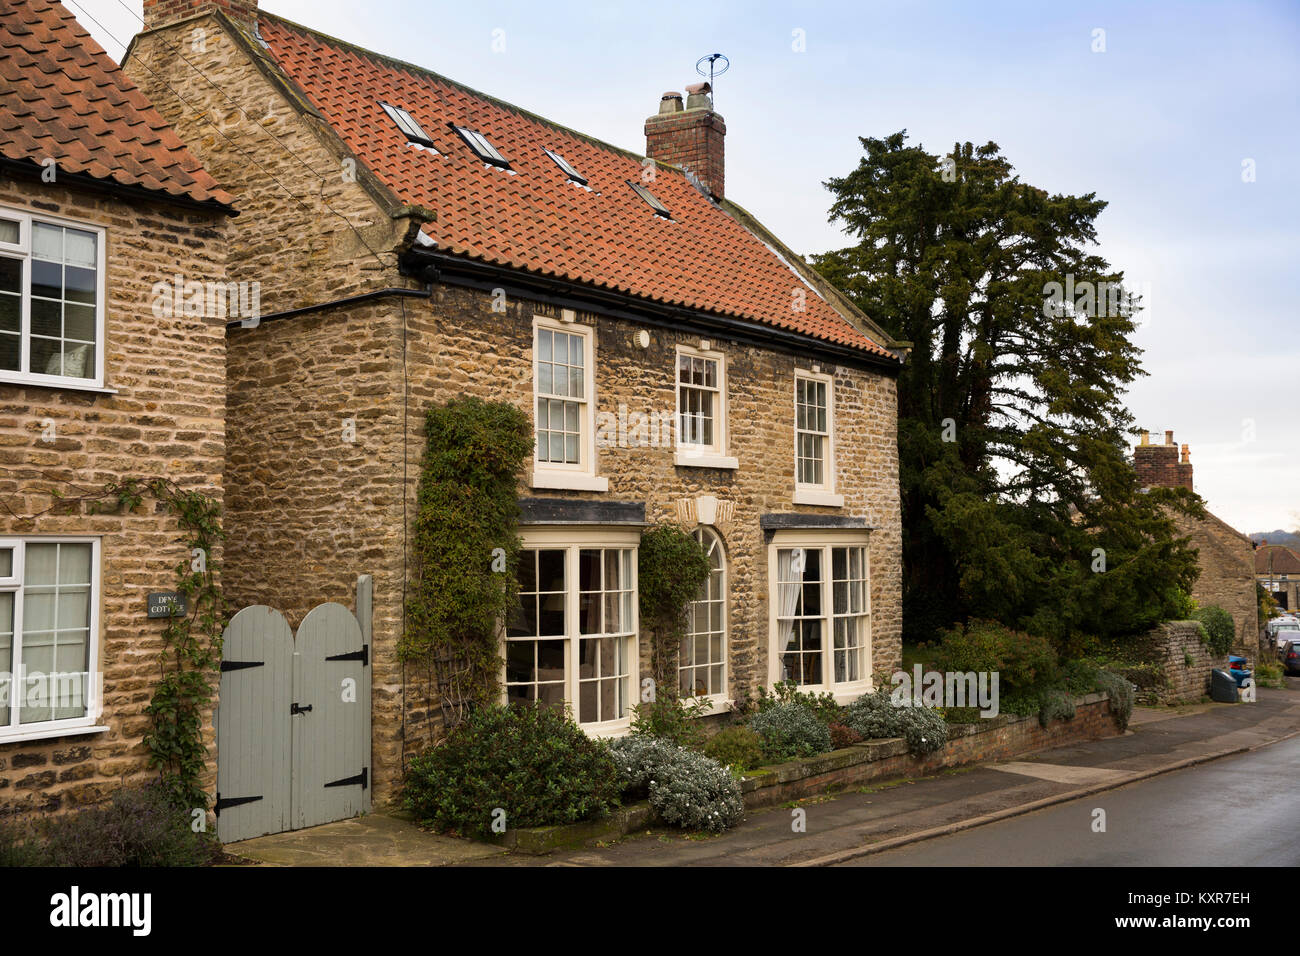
x=51, y=301
x=563, y=386
x=702, y=408
x=814, y=452
x=48, y=600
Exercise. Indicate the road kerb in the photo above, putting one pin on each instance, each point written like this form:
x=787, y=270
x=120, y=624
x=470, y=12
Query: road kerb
x=948, y=829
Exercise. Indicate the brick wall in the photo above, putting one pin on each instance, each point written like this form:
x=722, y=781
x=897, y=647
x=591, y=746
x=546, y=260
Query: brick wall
x=165, y=420
x=692, y=139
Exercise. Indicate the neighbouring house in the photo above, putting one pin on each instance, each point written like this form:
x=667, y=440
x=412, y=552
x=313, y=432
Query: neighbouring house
x=100, y=201
x=416, y=240
x=1277, y=569
x=1225, y=556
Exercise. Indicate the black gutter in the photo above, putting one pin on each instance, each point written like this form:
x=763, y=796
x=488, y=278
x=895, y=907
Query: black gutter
x=30, y=168
x=333, y=303
x=430, y=266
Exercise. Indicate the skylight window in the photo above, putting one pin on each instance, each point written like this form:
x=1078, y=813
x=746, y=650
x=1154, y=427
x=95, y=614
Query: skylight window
x=566, y=167
x=659, y=208
x=482, y=148
x=406, y=123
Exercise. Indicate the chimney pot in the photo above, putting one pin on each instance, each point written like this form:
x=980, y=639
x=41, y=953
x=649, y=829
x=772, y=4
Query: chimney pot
x=1146, y=437
x=670, y=102
x=1169, y=436
x=1187, y=455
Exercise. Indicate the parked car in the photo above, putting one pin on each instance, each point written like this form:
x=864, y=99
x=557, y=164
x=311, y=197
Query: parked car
x=1283, y=629
x=1289, y=655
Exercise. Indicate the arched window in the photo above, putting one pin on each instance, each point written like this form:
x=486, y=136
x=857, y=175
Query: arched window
x=703, y=657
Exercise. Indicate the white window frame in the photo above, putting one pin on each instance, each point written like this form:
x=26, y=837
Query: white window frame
x=582, y=475
x=23, y=250
x=806, y=493
x=843, y=691
x=573, y=541
x=718, y=702
x=702, y=456
x=10, y=729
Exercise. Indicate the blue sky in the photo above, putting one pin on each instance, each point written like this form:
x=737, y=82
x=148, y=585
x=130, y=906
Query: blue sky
x=1158, y=125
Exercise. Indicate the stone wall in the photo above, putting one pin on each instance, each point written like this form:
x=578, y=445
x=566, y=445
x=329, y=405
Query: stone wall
x=994, y=739
x=1227, y=578
x=164, y=419
x=1174, y=664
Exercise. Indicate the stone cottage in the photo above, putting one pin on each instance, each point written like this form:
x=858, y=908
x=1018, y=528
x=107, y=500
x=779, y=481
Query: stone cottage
x=1225, y=555
x=1277, y=569
x=100, y=203
x=416, y=240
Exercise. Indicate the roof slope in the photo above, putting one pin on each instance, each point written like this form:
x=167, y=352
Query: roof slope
x=1283, y=559
x=532, y=217
x=63, y=98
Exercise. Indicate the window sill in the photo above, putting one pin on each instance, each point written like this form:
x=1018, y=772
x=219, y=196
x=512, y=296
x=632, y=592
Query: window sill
x=50, y=733
x=811, y=496
x=718, y=704
x=609, y=730
x=567, y=481
x=687, y=459
x=57, y=386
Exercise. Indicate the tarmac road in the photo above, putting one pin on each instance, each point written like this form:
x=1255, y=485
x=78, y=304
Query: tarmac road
x=1237, y=811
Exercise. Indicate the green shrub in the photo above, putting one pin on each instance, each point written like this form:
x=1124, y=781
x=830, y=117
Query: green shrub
x=736, y=747
x=137, y=827
x=1055, y=703
x=876, y=717
x=1217, y=629
x=672, y=718
x=1080, y=676
x=1021, y=660
x=784, y=692
x=685, y=789
x=1121, y=696
x=534, y=764
x=671, y=568
x=790, y=730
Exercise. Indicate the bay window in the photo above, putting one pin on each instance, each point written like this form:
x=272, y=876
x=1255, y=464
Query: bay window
x=572, y=640
x=820, y=614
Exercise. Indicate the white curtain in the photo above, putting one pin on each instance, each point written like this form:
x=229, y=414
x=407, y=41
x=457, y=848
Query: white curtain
x=790, y=582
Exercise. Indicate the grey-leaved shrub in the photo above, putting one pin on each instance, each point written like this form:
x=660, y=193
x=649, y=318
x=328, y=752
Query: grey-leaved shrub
x=790, y=730
x=875, y=716
x=685, y=788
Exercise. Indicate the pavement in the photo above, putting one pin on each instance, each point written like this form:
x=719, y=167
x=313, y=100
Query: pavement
x=832, y=830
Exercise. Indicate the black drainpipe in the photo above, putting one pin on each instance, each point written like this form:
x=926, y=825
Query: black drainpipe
x=320, y=306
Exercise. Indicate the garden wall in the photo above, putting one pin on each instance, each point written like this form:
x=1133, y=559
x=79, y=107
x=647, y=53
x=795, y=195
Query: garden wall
x=1174, y=665
x=993, y=739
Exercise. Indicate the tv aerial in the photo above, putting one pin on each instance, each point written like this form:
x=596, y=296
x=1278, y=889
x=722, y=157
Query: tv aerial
x=716, y=64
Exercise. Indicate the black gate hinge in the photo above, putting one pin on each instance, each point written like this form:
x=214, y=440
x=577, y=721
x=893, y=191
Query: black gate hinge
x=225, y=803
x=362, y=778
x=296, y=709
x=362, y=655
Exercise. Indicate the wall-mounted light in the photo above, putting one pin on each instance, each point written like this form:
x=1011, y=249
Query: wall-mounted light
x=643, y=339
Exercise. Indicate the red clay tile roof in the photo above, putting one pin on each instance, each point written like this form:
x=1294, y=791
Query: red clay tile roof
x=533, y=218
x=63, y=98
x=1285, y=561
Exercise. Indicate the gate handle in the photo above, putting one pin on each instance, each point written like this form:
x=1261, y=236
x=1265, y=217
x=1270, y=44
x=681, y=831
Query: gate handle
x=296, y=709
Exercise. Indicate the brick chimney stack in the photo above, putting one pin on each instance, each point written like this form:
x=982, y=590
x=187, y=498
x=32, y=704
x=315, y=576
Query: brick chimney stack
x=159, y=13
x=691, y=138
x=1159, y=466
